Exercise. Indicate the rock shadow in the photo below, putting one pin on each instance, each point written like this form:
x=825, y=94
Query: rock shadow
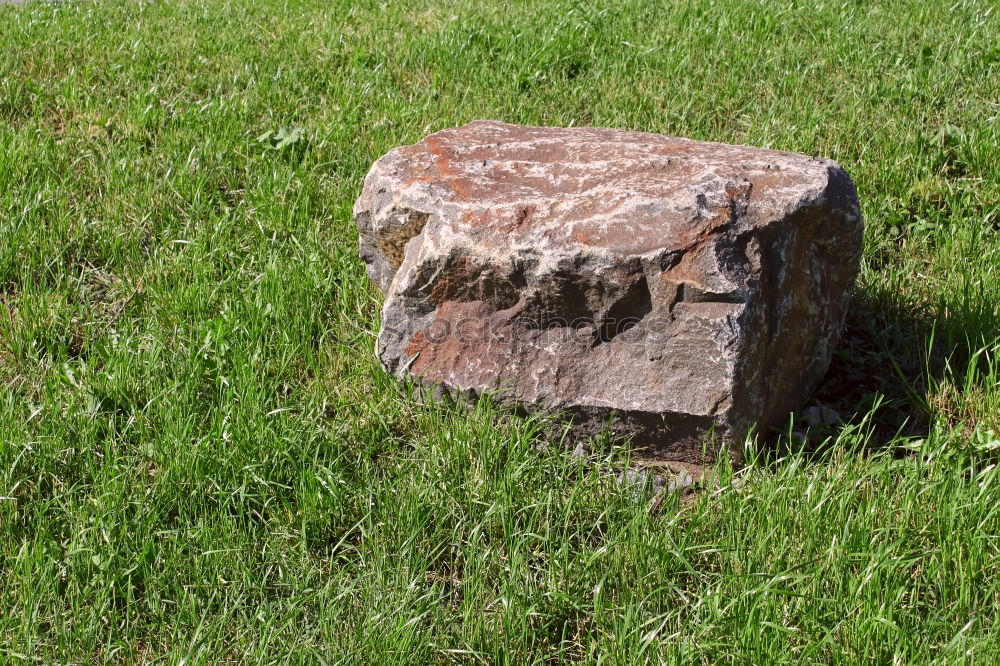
x=892, y=353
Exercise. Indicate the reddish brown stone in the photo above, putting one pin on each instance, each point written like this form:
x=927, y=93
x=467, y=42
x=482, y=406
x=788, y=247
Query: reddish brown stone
x=661, y=287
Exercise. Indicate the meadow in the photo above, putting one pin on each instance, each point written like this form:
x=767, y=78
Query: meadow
x=201, y=461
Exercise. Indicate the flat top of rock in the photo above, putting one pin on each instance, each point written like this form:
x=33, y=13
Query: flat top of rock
x=572, y=186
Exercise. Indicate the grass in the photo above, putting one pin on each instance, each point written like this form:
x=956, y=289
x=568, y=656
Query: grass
x=200, y=461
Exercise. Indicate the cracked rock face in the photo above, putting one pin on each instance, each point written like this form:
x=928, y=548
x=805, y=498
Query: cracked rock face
x=669, y=290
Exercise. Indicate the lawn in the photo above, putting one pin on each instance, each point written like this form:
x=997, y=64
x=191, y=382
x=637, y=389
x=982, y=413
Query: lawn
x=201, y=461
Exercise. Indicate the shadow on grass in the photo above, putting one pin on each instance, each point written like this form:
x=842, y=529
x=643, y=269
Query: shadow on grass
x=891, y=355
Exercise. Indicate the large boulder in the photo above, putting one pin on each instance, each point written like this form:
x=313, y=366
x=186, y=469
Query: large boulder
x=678, y=293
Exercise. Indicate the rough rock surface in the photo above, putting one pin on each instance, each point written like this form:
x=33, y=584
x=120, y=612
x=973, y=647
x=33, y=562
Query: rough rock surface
x=664, y=288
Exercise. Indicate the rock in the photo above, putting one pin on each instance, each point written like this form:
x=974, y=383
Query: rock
x=820, y=416
x=670, y=290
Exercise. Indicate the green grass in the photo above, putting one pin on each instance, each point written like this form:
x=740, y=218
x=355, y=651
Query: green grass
x=201, y=462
